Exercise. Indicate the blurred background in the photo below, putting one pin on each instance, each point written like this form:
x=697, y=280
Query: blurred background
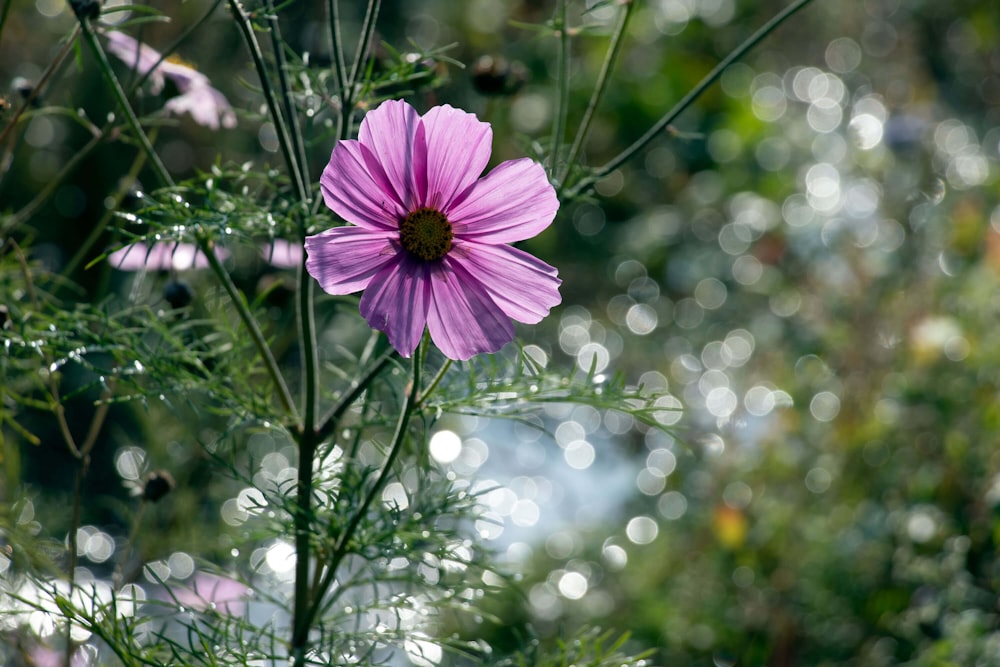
x=808, y=261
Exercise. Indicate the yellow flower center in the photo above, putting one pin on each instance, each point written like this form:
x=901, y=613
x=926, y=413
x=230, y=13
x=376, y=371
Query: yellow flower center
x=426, y=234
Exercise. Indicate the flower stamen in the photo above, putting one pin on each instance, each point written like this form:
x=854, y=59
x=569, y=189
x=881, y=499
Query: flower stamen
x=426, y=234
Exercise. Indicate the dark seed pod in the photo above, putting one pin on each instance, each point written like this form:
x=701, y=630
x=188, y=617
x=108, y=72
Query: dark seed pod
x=86, y=9
x=494, y=75
x=158, y=484
x=178, y=294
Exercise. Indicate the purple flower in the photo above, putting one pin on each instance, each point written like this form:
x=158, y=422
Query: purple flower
x=429, y=240
x=206, y=105
x=163, y=256
x=282, y=254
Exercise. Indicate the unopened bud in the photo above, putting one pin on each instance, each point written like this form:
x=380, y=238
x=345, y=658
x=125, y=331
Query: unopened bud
x=158, y=484
x=178, y=294
x=493, y=75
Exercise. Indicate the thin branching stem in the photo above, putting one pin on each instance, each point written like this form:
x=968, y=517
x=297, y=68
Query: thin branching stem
x=343, y=543
x=329, y=422
x=562, y=84
x=122, y=100
x=360, y=58
x=274, y=109
x=239, y=302
x=166, y=53
x=426, y=393
x=600, y=86
x=585, y=184
x=294, y=130
x=36, y=90
x=39, y=200
x=337, y=47
x=124, y=185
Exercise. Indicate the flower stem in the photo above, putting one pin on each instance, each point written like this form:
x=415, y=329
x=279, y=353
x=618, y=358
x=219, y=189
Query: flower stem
x=585, y=184
x=38, y=87
x=343, y=542
x=328, y=423
x=367, y=30
x=337, y=47
x=293, y=129
x=614, y=49
x=280, y=126
x=562, y=81
x=284, y=395
x=116, y=88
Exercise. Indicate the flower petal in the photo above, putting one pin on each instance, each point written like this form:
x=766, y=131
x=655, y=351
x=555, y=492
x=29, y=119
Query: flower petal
x=282, y=254
x=357, y=194
x=136, y=55
x=389, y=132
x=458, y=150
x=162, y=256
x=523, y=286
x=462, y=319
x=346, y=259
x=515, y=201
x=395, y=302
x=206, y=105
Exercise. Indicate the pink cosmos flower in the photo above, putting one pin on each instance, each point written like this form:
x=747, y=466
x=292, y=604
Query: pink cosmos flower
x=163, y=256
x=282, y=254
x=206, y=105
x=429, y=239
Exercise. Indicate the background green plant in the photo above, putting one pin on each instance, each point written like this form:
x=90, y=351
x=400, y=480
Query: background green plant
x=841, y=511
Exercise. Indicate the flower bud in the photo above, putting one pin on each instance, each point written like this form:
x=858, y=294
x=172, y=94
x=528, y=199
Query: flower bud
x=178, y=294
x=493, y=75
x=86, y=9
x=158, y=484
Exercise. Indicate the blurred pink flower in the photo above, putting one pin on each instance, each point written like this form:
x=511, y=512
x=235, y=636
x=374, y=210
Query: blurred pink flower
x=282, y=254
x=206, y=105
x=162, y=256
x=227, y=596
x=430, y=239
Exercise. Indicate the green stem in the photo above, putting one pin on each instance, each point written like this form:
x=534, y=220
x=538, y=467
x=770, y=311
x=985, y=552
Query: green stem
x=280, y=126
x=294, y=131
x=116, y=88
x=585, y=184
x=328, y=424
x=562, y=81
x=45, y=193
x=284, y=395
x=123, y=188
x=343, y=543
x=38, y=87
x=337, y=48
x=614, y=50
x=367, y=30
x=426, y=393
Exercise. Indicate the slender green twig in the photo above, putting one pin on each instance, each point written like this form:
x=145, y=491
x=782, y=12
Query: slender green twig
x=166, y=53
x=274, y=109
x=294, y=131
x=40, y=85
x=586, y=183
x=122, y=100
x=337, y=47
x=125, y=184
x=53, y=184
x=426, y=393
x=239, y=302
x=343, y=543
x=3, y=15
x=360, y=57
x=610, y=58
x=562, y=97
x=328, y=424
